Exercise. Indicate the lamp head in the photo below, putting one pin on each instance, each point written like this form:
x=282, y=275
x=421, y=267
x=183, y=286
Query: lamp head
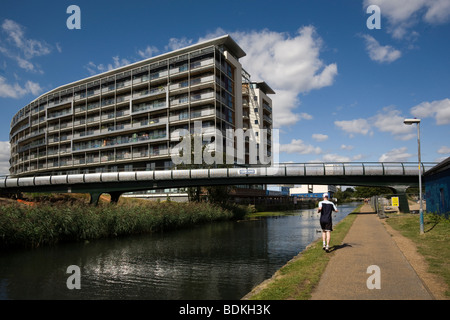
x=411, y=121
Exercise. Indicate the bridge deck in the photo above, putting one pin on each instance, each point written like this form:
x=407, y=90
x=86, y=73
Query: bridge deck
x=326, y=173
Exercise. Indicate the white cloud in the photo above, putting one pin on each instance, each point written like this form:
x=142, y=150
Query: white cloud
x=16, y=91
x=396, y=155
x=175, y=44
x=379, y=53
x=438, y=11
x=117, y=63
x=4, y=157
x=359, y=126
x=390, y=120
x=148, y=52
x=33, y=87
x=298, y=146
x=439, y=109
x=402, y=15
x=290, y=64
x=20, y=48
x=333, y=157
x=444, y=150
x=346, y=147
x=319, y=137
x=305, y=116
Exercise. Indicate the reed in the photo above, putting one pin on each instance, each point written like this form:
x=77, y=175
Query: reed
x=47, y=224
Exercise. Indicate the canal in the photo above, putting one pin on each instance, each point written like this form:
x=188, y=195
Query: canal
x=215, y=261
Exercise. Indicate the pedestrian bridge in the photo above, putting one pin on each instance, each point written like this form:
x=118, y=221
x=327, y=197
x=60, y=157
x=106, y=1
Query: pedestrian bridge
x=398, y=176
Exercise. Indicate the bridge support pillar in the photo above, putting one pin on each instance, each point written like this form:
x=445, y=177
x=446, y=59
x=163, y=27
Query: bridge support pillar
x=115, y=196
x=403, y=205
x=95, y=196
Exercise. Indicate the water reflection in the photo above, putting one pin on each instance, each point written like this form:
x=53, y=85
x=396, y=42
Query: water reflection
x=216, y=261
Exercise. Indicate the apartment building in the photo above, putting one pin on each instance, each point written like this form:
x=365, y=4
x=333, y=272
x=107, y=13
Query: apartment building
x=257, y=114
x=128, y=119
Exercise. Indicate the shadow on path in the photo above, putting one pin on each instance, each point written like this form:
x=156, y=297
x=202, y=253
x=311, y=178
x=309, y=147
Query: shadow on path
x=337, y=247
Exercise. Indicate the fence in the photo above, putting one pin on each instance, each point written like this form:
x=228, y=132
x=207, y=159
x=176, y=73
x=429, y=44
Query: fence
x=395, y=203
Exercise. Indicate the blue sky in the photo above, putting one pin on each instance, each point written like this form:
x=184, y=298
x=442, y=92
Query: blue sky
x=343, y=89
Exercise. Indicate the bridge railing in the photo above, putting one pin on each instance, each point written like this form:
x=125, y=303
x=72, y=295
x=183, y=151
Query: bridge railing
x=351, y=168
x=282, y=169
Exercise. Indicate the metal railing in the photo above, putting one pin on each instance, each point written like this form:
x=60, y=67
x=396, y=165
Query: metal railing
x=350, y=169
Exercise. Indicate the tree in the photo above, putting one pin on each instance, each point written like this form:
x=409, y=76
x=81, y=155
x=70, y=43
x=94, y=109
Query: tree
x=214, y=194
x=368, y=192
x=344, y=196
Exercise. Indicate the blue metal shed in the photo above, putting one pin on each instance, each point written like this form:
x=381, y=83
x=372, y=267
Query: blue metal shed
x=437, y=188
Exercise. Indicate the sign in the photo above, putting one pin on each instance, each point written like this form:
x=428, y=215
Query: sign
x=394, y=201
x=247, y=171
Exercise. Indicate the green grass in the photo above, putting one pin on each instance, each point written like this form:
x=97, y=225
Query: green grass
x=297, y=279
x=433, y=245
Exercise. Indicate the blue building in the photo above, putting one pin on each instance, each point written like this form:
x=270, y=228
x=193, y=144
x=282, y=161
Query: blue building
x=437, y=188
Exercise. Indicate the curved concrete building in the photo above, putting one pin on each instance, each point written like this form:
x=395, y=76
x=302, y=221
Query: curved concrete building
x=127, y=119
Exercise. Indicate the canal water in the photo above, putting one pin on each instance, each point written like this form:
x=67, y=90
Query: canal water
x=209, y=262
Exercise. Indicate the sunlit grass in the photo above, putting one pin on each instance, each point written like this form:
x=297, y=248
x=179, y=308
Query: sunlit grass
x=433, y=244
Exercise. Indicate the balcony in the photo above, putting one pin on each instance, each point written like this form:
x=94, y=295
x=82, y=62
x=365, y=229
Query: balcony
x=202, y=63
x=202, y=113
x=119, y=141
x=266, y=107
x=202, y=96
x=267, y=118
x=149, y=106
x=59, y=114
x=149, y=93
x=150, y=123
x=62, y=102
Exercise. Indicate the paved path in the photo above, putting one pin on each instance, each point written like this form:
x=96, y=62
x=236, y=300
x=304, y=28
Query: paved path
x=368, y=243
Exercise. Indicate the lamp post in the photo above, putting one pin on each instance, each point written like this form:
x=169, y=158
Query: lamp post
x=410, y=122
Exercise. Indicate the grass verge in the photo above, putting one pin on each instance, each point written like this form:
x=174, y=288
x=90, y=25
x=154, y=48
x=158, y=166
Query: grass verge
x=432, y=245
x=297, y=279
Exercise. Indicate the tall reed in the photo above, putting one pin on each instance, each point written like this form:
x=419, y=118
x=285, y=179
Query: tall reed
x=43, y=224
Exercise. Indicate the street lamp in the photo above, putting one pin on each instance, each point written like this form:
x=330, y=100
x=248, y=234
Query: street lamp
x=410, y=122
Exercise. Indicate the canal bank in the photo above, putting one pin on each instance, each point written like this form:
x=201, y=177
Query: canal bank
x=296, y=279
x=369, y=261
